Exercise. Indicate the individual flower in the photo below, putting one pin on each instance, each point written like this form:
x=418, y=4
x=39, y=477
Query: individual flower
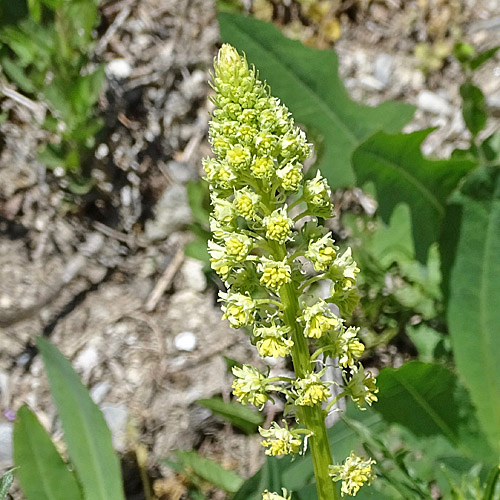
x=239, y=157
x=290, y=176
x=343, y=270
x=246, y=203
x=237, y=246
x=218, y=173
x=317, y=196
x=321, y=252
x=220, y=262
x=250, y=386
x=351, y=348
x=354, y=473
x=361, y=386
x=294, y=145
x=311, y=390
x=267, y=495
x=318, y=320
x=275, y=273
x=273, y=341
x=265, y=144
x=238, y=308
x=278, y=225
x=262, y=167
x=223, y=211
x=280, y=440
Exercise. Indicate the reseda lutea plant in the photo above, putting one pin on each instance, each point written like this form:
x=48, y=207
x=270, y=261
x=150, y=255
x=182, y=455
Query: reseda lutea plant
x=256, y=183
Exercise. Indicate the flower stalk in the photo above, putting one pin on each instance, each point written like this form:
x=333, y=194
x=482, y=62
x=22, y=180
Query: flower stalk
x=259, y=249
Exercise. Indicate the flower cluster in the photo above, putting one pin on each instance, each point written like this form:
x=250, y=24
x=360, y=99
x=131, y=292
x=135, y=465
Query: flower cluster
x=353, y=473
x=257, y=187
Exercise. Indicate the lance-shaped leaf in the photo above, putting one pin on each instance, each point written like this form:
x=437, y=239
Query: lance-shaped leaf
x=307, y=81
x=474, y=294
x=41, y=471
x=394, y=163
x=85, y=431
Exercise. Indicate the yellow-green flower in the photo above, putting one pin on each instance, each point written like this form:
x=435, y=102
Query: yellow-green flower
x=322, y=252
x=262, y=167
x=267, y=495
x=344, y=270
x=311, y=390
x=238, y=308
x=273, y=341
x=280, y=440
x=361, y=386
x=250, y=386
x=290, y=176
x=275, y=273
x=351, y=348
x=318, y=320
x=278, y=225
x=354, y=473
x=246, y=203
x=317, y=194
x=237, y=246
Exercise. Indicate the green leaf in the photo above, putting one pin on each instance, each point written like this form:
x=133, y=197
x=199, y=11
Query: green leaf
x=427, y=399
x=482, y=57
x=307, y=81
x=5, y=483
x=42, y=473
x=85, y=431
x=35, y=9
x=240, y=416
x=426, y=340
x=394, y=163
x=210, y=471
x=474, y=294
x=17, y=75
x=473, y=107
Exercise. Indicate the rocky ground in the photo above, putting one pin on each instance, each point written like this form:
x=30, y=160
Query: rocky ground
x=108, y=280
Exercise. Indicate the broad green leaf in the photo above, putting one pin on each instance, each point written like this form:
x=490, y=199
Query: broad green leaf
x=473, y=107
x=427, y=399
x=474, y=294
x=85, y=431
x=240, y=416
x=394, y=163
x=210, y=471
x=426, y=340
x=41, y=471
x=307, y=81
x=5, y=483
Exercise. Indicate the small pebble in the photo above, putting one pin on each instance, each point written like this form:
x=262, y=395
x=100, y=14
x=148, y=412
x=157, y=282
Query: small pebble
x=185, y=341
x=119, y=69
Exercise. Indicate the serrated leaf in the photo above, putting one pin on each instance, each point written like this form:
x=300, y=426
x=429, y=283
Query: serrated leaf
x=307, y=81
x=474, y=293
x=85, y=431
x=473, y=108
x=41, y=471
x=427, y=399
x=5, y=483
x=210, y=471
x=395, y=165
x=240, y=416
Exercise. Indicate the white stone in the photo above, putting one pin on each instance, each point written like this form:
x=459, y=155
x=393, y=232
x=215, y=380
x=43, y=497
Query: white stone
x=192, y=274
x=433, y=103
x=185, y=341
x=6, y=430
x=119, y=69
x=117, y=418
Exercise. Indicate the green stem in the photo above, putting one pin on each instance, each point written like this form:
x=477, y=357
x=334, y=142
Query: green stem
x=312, y=417
x=491, y=483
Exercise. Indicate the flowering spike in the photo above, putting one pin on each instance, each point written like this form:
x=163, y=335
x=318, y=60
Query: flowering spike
x=257, y=187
